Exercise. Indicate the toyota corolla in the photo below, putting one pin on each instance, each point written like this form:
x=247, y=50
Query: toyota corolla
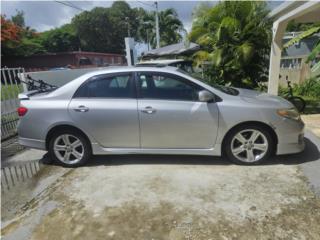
x=156, y=110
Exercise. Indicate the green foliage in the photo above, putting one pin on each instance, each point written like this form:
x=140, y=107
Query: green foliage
x=10, y=91
x=26, y=41
x=298, y=27
x=314, y=53
x=170, y=27
x=98, y=30
x=18, y=19
x=309, y=88
x=303, y=35
x=311, y=31
x=61, y=39
x=236, y=36
x=104, y=29
x=29, y=47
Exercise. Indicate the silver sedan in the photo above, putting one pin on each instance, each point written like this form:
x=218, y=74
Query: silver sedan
x=156, y=110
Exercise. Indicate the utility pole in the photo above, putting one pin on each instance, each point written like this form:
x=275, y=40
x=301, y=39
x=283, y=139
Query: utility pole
x=157, y=26
x=127, y=20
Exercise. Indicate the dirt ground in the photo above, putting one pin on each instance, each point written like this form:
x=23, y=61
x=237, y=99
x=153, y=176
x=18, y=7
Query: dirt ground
x=164, y=197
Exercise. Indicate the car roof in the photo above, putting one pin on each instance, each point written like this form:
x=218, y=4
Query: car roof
x=132, y=69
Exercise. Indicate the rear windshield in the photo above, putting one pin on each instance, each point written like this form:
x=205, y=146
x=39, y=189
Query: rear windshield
x=224, y=89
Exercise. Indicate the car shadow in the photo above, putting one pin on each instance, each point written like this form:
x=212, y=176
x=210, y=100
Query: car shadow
x=311, y=153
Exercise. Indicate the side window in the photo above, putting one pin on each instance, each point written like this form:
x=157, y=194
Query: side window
x=117, y=86
x=166, y=86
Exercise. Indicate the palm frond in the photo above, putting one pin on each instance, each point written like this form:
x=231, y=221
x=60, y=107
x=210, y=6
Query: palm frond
x=301, y=36
x=216, y=57
x=245, y=52
x=314, y=53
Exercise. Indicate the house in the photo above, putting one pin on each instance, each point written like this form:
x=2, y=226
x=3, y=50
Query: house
x=293, y=59
x=300, y=12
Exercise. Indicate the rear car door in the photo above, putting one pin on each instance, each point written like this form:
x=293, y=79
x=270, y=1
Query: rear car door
x=105, y=106
x=171, y=116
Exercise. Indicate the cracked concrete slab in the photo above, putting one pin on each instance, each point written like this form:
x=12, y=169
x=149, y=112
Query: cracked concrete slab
x=169, y=197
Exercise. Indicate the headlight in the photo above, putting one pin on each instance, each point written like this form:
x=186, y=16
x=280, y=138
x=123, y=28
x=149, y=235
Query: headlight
x=291, y=113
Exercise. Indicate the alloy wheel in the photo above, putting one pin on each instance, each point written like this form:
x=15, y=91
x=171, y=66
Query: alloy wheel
x=249, y=145
x=68, y=149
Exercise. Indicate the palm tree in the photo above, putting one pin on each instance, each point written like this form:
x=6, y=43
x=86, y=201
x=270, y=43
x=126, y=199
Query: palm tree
x=170, y=28
x=235, y=40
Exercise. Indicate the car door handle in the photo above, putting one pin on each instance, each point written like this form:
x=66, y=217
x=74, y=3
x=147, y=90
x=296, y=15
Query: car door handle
x=148, y=110
x=81, y=109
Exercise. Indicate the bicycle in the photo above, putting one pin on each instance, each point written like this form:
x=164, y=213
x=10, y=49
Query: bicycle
x=298, y=102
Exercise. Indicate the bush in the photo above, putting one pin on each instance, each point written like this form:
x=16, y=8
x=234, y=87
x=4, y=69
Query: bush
x=309, y=88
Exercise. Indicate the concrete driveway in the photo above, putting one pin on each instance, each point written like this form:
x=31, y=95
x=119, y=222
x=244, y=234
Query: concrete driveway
x=169, y=197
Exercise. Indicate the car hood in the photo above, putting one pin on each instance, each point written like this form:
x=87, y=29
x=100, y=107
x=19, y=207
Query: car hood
x=252, y=96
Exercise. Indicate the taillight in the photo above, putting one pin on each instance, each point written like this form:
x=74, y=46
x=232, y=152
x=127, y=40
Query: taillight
x=22, y=111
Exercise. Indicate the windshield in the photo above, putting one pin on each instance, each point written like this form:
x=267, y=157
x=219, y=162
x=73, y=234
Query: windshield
x=224, y=89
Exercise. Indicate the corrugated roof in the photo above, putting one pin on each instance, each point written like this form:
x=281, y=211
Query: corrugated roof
x=174, y=49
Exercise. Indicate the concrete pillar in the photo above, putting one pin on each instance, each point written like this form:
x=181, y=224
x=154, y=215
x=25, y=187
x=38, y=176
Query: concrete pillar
x=131, y=52
x=278, y=30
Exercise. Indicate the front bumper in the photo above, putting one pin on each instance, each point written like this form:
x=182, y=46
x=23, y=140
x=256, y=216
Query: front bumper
x=287, y=148
x=290, y=137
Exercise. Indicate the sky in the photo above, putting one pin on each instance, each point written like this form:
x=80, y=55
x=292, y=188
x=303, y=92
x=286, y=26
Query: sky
x=45, y=15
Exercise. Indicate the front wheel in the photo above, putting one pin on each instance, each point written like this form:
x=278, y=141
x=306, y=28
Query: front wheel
x=69, y=148
x=298, y=102
x=249, y=145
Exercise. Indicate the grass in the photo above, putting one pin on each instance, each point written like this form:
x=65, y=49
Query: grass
x=10, y=91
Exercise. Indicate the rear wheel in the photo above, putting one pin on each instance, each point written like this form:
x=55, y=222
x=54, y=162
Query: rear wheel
x=249, y=145
x=69, y=148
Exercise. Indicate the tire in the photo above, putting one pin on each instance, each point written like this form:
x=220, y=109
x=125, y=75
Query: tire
x=243, y=140
x=69, y=148
x=298, y=102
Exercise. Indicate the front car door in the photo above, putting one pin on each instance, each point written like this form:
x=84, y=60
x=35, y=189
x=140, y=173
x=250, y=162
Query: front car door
x=105, y=106
x=171, y=116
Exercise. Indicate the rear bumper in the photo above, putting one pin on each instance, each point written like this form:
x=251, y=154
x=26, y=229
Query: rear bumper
x=32, y=143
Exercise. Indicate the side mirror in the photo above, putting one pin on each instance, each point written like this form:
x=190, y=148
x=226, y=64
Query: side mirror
x=205, y=96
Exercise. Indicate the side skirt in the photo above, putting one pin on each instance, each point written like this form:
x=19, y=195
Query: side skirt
x=98, y=150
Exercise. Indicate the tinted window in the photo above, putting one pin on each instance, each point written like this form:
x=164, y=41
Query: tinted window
x=166, y=86
x=118, y=86
x=224, y=89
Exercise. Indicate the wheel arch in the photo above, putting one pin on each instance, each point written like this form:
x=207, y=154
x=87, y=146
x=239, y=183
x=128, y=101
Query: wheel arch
x=256, y=123
x=62, y=127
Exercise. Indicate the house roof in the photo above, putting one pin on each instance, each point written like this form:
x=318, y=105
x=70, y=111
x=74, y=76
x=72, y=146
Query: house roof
x=173, y=49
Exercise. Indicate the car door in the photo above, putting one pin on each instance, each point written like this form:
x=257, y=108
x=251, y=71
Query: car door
x=105, y=106
x=171, y=116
